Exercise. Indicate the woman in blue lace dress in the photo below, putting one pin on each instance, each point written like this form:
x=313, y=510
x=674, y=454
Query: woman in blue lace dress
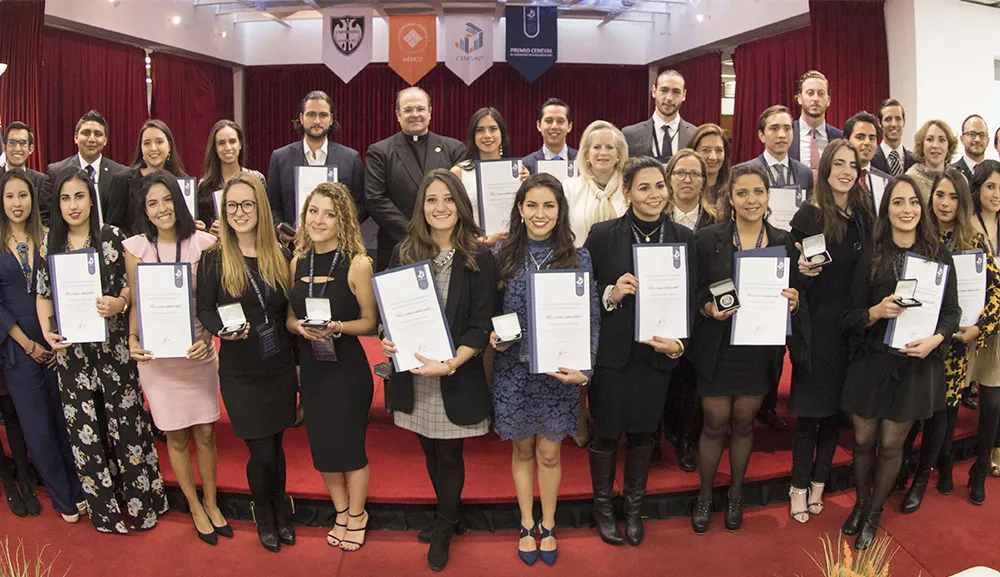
x=537, y=411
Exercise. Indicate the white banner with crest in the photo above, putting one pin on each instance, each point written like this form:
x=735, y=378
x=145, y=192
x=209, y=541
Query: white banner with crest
x=347, y=40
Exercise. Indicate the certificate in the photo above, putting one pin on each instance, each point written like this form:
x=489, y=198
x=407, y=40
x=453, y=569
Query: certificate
x=877, y=184
x=784, y=203
x=189, y=190
x=559, y=320
x=970, y=267
x=307, y=178
x=919, y=322
x=498, y=181
x=661, y=303
x=76, y=286
x=163, y=301
x=561, y=169
x=217, y=196
x=763, y=318
x=411, y=312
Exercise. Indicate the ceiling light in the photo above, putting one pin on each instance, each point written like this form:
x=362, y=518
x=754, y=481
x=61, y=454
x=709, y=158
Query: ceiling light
x=224, y=34
x=176, y=20
x=700, y=17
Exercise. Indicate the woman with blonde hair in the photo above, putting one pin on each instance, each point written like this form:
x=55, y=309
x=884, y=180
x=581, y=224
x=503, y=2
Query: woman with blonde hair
x=934, y=145
x=595, y=193
x=687, y=182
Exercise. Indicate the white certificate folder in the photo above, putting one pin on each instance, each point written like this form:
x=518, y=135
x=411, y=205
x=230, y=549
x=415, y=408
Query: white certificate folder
x=764, y=318
x=919, y=322
x=412, y=315
x=499, y=181
x=662, y=301
x=970, y=268
x=164, y=304
x=307, y=178
x=76, y=286
x=559, y=320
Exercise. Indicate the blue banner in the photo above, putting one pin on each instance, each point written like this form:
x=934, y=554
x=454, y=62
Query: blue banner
x=532, y=39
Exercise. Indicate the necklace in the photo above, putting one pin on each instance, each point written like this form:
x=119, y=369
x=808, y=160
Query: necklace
x=442, y=261
x=538, y=265
x=22, y=257
x=646, y=236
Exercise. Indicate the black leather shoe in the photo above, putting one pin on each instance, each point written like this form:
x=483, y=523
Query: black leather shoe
x=734, y=513
x=210, y=538
x=224, y=531
x=602, y=478
x=31, y=504
x=263, y=515
x=14, y=500
x=424, y=535
x=283, y=510
x=916, y=493
x=702, y=516
x=634, y=489
x=869, y=529
x=945, y=482
x=685, y=457
x=970, y=402
x=437, y=554
x=854, y=521
x=977, y=484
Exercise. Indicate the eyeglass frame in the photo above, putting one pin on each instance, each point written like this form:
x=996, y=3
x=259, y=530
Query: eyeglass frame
x=232, y=207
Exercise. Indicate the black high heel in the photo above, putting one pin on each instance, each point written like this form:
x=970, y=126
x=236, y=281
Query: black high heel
x=210, y=538
x=868, y=532
x=734, y=513
x=329, y=536
x=364, y=528
x=528, y=557
x=702, y=516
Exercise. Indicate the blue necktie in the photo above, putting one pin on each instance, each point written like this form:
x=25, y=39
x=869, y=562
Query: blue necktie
x=557, y=157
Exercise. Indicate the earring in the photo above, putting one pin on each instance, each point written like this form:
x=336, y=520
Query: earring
x=501, y=151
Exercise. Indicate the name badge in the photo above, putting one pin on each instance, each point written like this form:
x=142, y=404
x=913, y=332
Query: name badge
x=267, y=334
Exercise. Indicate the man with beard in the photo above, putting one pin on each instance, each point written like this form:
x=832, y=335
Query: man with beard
x=891, y=158
x=811, y=132
x=666, y=132
x=861, y=130
x=975, y=139
x=317, y=120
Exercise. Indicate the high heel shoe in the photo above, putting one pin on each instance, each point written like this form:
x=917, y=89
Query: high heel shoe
x=331, y=540
x=31, y=503
x=854, y=521
x=547, y=557
x=815, y=507
x=364, y=528
x=263, y=516
x=869, y=529
x=529, y=557
x=915, y=496
x=14, y=500
x=211, y=538
x=702, y=516
x=284, y=508
x=734, y=513
x=800, y=516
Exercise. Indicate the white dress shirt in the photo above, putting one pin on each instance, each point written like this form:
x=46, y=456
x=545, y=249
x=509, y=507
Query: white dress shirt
x=317, y=158
x=771, y=161
x=805, y=140
x=686, y=219
x=549, y=155
x=658, y=125
x=970, y=163
x=96, y=164
x=899, y=151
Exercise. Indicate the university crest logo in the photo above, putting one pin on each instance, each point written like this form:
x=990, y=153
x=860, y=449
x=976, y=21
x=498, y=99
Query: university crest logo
x=347, y=33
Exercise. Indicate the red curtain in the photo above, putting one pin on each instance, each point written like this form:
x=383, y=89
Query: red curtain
x=618, y=94
x=21, y=24
x=190, y=96
x=767, y=71
x=703, y=82
x=858, y=71
x=82, y=73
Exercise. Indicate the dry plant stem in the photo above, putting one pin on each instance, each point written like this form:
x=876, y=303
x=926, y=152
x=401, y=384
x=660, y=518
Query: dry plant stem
x=14, y=562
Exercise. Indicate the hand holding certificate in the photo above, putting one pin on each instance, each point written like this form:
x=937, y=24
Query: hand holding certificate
x=166, y=320
x=412, y=315
x=498, y=183
x=559, y=321
x=661, y=303
x=76, y=289
x=763, y=318
x=784, y=203
x=919, y=322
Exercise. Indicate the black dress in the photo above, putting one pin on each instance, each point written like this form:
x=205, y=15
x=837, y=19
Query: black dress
x=336, y=395
x=259, y=394
x=817, y=385
x=885, y=385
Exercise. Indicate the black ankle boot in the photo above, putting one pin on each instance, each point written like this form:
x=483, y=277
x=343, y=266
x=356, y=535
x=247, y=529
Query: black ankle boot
x=857, y=517
x=14, y=500
x=977, y=484
x=945, y=483
x=702, y=516
x=685, y=457
x=602, y=477
x=916, y=493
x=636, y=473
x=263, y=515
x=869, y=529
x=284, y=507
x=437, y=554
x=734, y=513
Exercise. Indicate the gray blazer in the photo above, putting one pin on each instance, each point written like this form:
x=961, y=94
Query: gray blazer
x=640, y=137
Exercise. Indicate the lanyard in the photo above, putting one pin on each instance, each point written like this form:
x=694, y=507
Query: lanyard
x=329, y=276
x=156, y=249
x=736, y=237
x=656, y=140
x=663, y=232
x=256, y=289
x=697, y=222
x=994, y=245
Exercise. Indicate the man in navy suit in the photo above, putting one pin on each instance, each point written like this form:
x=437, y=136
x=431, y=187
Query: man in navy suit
x=555, y=122
x=861, y=130
x=774, y=128
x=665, y=132
x=811, y=133
x=891, y=157
x=975, y=139
x=316, y=122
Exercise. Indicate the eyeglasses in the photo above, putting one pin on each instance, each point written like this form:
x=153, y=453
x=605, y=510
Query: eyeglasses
x=685, y=174
x=15, y=143
x=976, y=135
x=319, y=115
x=248, y=207
x=418, y=110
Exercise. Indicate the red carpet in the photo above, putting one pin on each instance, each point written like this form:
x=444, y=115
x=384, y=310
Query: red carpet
x=947, y=535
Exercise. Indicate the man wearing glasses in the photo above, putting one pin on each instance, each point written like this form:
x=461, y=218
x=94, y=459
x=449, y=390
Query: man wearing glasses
x=317, y=120
x=18, y=145
x=975, y=139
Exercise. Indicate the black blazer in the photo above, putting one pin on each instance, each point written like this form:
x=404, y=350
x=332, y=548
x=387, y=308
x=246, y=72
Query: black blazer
x=964, y=169
x=469, y=313
x=122, y=209
x=832, y=133
x=610, y=246
x=281, y=178
x=531, y=161
x=392, y=176
x=882, y=163
x=109, y=168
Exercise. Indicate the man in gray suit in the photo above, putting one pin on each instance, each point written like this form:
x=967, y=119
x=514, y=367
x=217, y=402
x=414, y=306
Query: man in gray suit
x=666, y=132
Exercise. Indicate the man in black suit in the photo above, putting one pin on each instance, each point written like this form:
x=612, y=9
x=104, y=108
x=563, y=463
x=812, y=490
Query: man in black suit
x=317, y=120
x=975, y=139
x=90, y=137
x=555, y=122
x=861, y=130
x=811, y=133
x=891, y=157
x=774, y=129
x=665, y=132
x=18, y=145
x=396, y=165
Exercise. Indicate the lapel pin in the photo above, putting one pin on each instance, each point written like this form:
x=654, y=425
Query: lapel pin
x=437, y=149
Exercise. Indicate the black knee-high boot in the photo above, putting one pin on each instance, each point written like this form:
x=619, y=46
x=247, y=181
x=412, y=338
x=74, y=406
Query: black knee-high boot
x=636, y=473
x=602, y=477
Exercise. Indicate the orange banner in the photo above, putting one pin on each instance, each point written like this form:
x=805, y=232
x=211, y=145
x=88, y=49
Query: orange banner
x=412, y=46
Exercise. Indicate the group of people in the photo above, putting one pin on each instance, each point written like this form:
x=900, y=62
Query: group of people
x=663, y=180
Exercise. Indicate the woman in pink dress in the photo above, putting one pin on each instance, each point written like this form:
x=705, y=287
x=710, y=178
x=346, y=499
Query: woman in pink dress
x=183, y=393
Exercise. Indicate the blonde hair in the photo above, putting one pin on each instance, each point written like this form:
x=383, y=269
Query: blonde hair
x=271, y=264
x=703, y=199
x=586, y=141
x=918, y=139
x=348, y=232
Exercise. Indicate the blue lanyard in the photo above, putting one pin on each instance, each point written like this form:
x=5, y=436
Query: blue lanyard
x=736, y=237
x=329, y=276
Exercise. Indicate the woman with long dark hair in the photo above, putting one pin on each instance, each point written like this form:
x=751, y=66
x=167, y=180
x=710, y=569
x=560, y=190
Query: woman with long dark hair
x=710, y=142
x=225, y=157
x=155, y=150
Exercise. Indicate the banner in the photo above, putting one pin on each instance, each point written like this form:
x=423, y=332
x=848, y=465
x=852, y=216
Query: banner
x=532, y=39
x=468, y=45
x=412, y=46
x=347, y=40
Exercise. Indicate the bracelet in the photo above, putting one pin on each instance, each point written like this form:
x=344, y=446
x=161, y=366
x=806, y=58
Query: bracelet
x=451, y=370
x=34, y=346
x=130, y=335
x=339, y=333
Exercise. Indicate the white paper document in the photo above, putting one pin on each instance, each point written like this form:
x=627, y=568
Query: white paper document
x=661, y=303
x=412, y=314
x=970, y=267
x=559, y=320
x=76, y=286
x=919, y=322
x=164, y=303
x=217, y=196
x=878, y=185
x=784, y=203
x=307, y=178
x=498, y=182
x=762, y=318
x=561, y=169
x=189, y=190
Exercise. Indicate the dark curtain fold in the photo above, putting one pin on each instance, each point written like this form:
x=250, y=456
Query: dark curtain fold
x=703, y=82
x=190, y=96
x=21, y=23
x=82, y=73
x=365, y=106
x=858, y=71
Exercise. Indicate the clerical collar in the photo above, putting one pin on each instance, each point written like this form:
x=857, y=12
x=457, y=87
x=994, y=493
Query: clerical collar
x=417, y=137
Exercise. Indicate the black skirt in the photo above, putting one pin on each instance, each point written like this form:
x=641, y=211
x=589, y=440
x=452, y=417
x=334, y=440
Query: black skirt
x=630, y=399
x=740, y=370
x=262, y=404
x=883, y=385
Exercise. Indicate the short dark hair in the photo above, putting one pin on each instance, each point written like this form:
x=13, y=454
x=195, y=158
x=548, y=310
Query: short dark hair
x=18, y=125
x=886, y=104
x=637, y=163
x=317, y=95
x=996, y=137
x=92, y=116
x=555, y=102
x=863, y=116
x=968, y=118
x=669, y=72
x=421, y=90
x=183, y=220
x=769, y=112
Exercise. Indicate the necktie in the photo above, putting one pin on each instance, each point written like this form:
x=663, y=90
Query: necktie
x=863, y=180
x=557, y=157
x=668, y=143
x=780, y=169
x=894, y=167
x=814, y=155
x=91, y=173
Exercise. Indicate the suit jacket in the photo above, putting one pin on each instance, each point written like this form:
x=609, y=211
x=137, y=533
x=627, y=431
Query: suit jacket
x=610, y=246
x=392, y=176
x=803, y=174
x=964, y=169
x=38, y=181
x=832, y=133
x=469, y=311
x=640, y=136
x=882, y=163
x=109, y=168
x=281, y=178
x=531, y=161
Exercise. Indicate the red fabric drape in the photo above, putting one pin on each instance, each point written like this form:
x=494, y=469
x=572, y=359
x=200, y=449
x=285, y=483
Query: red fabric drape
x=190, y=96
x=858, y=71
x=365, y=106
x=703, y=82
x=21, y=24
x=767, y=71
x=82, y=73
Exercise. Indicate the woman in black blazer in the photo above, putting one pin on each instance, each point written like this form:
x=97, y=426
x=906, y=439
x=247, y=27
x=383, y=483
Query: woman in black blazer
x=732, y=379
x=445, y=402
x=629, y=386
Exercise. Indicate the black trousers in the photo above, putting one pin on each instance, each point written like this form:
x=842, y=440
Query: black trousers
x=812, y=453
x=446, y=468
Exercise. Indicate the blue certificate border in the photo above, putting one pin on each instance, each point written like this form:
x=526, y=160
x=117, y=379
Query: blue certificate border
x=533, y=336
x=767, y=252
x=687, y=284
x=891, y=328
x=184, y=266
x=53, y=284
x=479, y=188
x=426, y=264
